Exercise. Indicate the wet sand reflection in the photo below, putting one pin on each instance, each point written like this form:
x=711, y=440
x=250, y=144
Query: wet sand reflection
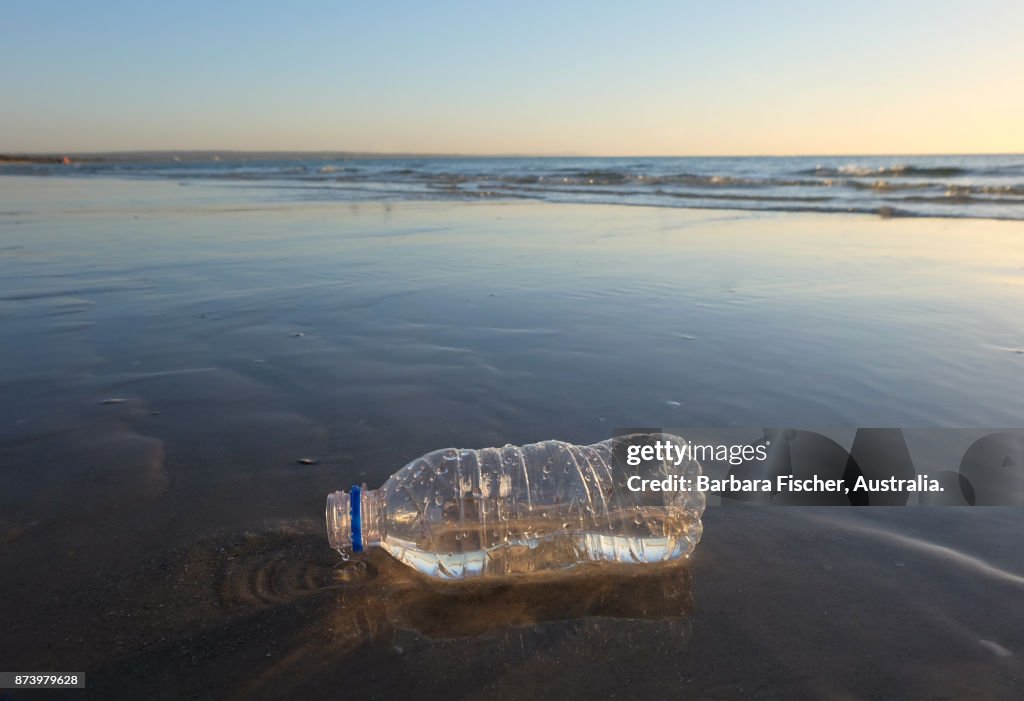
x=321, y=615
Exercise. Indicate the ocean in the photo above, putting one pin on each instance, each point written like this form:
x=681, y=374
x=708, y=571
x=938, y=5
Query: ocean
x=989, y=186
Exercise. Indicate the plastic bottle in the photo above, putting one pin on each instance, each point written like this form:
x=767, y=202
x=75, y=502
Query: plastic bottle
x=459, y=514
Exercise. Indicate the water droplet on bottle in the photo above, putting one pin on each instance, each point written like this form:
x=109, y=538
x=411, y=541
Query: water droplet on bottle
x=344, y=557
x=565, y=525
x=638, y=520
x=439, y=500
x=566, y=469
x=546, y=469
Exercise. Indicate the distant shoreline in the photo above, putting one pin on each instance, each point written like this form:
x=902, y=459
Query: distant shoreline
x=24, y=159
x=186, y=156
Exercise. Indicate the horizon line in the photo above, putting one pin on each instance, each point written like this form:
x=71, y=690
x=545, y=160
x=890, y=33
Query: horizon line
x=343, y=153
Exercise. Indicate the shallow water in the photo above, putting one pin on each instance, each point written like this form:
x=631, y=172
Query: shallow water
x=171, y=353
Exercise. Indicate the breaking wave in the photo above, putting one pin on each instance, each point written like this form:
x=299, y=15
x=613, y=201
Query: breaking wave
x=936, y=186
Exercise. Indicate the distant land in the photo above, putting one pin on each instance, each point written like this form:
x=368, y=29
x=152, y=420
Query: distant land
x=128, y=156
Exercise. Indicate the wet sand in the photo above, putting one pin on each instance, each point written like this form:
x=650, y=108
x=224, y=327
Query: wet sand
x=170, y=354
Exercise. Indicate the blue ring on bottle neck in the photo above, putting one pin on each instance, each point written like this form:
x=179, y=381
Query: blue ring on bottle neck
x=355, y=511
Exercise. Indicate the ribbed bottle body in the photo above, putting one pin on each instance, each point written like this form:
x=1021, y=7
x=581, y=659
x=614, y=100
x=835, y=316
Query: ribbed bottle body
x=456, y=514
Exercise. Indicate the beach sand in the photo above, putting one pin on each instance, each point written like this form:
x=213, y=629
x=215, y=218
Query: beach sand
x=171, y=352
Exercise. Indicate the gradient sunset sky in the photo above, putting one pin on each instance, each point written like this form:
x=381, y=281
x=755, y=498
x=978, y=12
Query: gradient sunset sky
x=580, y=78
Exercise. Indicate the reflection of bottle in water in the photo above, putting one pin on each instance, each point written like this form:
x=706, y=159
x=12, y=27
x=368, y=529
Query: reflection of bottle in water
x=456, y=514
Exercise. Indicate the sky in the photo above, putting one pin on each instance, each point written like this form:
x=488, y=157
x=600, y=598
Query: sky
x=641, y=78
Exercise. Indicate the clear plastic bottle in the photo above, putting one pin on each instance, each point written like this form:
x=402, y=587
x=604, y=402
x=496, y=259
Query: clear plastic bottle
x=458, y=514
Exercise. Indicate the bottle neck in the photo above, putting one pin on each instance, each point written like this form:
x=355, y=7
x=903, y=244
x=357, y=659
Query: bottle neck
x=372, y=512
x=355, y=519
